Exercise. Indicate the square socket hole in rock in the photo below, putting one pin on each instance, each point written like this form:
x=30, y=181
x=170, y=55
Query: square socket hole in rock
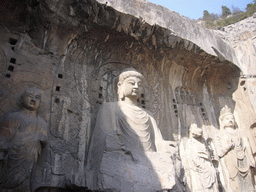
x=13, y=60
x=10, y=68
x=57, y=88
x=13, y=41
x=60, y=76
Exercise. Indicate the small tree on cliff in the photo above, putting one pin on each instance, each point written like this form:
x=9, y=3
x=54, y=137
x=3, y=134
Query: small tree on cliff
x=251, y=8
x=206, y=15
x=209, y=16
x=235, y=10
x=225, y=11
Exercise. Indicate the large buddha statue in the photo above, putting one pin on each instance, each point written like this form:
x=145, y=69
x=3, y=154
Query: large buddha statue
x=127, y=151
x=22, y=136
x=235, y=154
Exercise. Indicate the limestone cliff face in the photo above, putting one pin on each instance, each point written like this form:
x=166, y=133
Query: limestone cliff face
x=236, y=44
x=177, y=24
x=242, y=37
x=73, y=50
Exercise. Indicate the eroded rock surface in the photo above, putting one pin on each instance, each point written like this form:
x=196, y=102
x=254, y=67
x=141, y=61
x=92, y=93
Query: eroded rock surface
x=242, y=37
x=74, y=51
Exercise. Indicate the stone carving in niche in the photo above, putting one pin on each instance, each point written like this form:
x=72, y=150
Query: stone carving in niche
x=103, y=84
x=23, y=135
x=127, y=150
x=185, y=105
x=61, y=103
x=199, y=157
x=235, y=154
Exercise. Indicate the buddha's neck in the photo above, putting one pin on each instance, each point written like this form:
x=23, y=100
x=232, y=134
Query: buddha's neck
x=230, y=129
x=130, y=101
x=28, y=112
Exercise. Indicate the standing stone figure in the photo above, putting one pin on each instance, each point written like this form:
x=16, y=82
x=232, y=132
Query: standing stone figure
x=202, y=171
x=23, y=135
x=127, y=151
x=235, y=154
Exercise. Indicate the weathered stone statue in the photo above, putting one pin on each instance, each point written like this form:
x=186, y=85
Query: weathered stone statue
x=127, y=152
x=235, y=154
x=202, y=171
x=22, y=136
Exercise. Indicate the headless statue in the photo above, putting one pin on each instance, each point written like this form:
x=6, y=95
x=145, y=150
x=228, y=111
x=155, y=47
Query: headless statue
x=23, y=135
x=127, y=151
x=235, y=154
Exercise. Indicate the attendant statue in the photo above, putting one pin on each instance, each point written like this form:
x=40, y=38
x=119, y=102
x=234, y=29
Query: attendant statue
x=202, y=171
x=235, y=154
x=127, y=151
x=23, y=135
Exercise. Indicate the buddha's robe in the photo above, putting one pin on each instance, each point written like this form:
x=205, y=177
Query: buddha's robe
x=203, y=173
x=235, y=154
x=124, y=153
x=22, y=138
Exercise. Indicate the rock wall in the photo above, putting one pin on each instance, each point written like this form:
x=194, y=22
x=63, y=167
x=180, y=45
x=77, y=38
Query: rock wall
x=177, y=24
x=74, y=50
x=242, y=37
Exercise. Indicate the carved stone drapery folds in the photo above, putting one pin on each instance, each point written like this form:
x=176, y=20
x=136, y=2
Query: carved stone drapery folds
x=127, y=150
x=202, y=172
x=23, y=135
x=235, y=154
x=74, y=50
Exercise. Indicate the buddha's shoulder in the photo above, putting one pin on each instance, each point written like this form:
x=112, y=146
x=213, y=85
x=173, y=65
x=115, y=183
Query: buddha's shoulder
x=13, y=116
x=109, y=105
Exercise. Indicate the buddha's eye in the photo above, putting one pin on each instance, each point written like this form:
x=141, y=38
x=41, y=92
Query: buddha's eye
x=29, y=95
x=131, y=82
x=38, y=97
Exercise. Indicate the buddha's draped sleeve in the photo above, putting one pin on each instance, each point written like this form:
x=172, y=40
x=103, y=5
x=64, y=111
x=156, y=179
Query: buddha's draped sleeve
x=104, y=128
x=161, y=144
x=7, y=131
x=17, y=167
x=223, y=144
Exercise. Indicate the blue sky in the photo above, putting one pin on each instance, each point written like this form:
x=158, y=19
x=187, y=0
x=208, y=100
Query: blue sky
x=193, y=9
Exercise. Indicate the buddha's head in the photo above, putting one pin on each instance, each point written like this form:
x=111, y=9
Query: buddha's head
x=129, y=84
x=31, y=99
x=226, y=118
x=195, y=131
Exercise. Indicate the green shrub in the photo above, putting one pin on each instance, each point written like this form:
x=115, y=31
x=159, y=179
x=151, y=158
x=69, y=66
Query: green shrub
x=213, y=21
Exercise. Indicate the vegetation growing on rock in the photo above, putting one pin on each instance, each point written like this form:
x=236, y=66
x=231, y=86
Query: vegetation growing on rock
x=227, y=17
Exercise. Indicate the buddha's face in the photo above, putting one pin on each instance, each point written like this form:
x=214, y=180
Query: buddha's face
x=132, y=87
x=196, y=131
x=31, y=99
x=228, y=121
